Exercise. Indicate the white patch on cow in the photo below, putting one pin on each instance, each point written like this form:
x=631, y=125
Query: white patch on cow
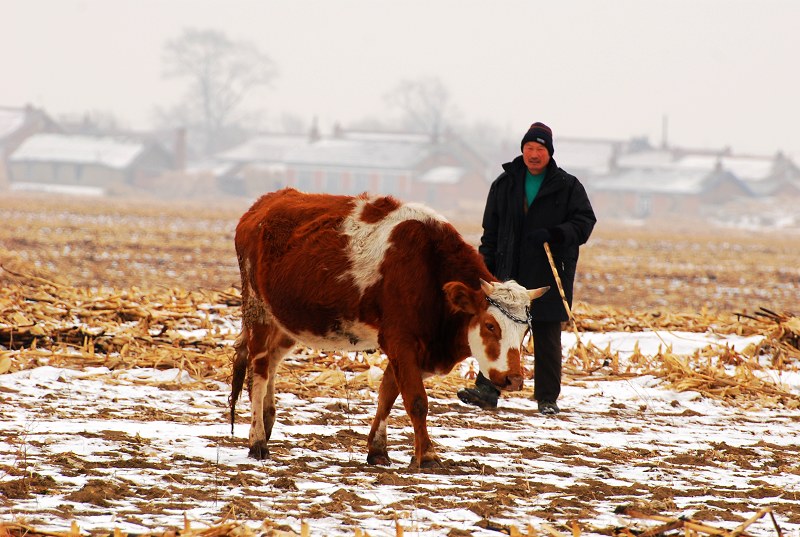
x=369, y=241
x=379, y=441
x=513, y=334
x=353, y=336
x=480, y=352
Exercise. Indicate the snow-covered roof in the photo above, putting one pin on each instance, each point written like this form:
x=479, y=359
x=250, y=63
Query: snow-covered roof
x=593, y=156
x=269, y=167
x=215, y=167
x=443, y=175
x=698, y=162
x=353, y=149
x=665, y=181
x=746, y=168
x=266, y=148
x=404, y=137
x=78, y=149
x=11, y=120
x=656, y=158
x=362, y=153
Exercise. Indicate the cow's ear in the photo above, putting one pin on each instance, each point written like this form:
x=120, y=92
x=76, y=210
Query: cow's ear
x=461, y=297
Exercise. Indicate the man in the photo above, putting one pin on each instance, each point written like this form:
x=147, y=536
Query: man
x=531, y=203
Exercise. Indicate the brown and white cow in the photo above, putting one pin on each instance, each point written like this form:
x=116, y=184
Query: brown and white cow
x=358, y=273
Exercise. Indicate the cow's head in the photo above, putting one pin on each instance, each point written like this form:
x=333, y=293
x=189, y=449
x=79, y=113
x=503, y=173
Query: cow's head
x=499, y=321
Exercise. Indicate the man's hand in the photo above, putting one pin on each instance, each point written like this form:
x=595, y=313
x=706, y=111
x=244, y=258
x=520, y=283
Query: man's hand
x=539, y=236
x=556, y=235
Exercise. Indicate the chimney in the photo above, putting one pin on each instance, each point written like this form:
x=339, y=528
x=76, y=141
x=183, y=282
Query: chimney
x=179, y=157
x=314, y=134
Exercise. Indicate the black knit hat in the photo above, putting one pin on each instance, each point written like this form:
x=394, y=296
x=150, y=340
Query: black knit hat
x=541, y=133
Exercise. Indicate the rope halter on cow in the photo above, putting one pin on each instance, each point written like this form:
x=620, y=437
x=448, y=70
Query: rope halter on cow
x=528, y=317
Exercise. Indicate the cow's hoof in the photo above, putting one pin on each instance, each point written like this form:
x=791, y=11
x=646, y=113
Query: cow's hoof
x=434, y=462
x=379, y=459
x=259, y=451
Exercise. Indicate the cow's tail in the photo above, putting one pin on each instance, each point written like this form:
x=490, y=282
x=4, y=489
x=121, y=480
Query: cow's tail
x=239, y=372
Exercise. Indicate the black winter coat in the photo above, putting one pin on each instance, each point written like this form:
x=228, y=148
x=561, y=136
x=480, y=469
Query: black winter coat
x=561, y=202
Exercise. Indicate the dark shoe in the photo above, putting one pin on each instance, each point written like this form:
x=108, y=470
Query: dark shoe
x=484, y=394
x=477, y=397
x=548, y=408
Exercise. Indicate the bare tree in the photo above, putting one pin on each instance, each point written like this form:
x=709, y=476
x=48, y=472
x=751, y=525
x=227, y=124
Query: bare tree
x=425, y=102
x=220, y=74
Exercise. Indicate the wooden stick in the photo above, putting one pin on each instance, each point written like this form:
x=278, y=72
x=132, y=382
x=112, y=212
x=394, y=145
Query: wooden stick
x=775, y=523
x=743, y=526
x=561, y=292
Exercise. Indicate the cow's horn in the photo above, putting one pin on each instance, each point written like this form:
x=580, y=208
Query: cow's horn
x=536, y=293
x=487, y=287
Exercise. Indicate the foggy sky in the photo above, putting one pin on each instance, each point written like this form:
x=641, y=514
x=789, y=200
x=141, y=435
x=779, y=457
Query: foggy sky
x=724, y=72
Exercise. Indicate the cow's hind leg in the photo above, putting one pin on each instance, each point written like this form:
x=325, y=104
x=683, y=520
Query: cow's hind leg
x=267, y=344
x=377, y=451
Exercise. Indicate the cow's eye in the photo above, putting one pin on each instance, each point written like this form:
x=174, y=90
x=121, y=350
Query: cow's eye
x=490, y=327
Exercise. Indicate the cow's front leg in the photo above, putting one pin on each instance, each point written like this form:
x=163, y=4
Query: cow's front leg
x=415, y=401
x=377, y=450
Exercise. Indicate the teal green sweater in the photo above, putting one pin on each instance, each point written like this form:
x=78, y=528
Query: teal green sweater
x=532, y=185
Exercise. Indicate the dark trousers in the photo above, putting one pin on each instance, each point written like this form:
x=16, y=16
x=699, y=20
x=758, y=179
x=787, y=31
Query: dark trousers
x=547, y=360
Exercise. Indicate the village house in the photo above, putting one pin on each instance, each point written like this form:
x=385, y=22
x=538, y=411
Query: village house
x=89, y=164
x=661, y=192
x=16, y=125
x=775, y=176
x=664, y=181
x=255, y=166
x=625, y=178
x=446, y=175
x=587, y=158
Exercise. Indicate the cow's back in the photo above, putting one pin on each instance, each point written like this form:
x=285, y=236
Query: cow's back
x=278, y=219
x=315, y=262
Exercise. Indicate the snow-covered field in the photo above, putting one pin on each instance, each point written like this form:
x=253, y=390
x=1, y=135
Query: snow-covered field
x=116, y=320
x=140, y=449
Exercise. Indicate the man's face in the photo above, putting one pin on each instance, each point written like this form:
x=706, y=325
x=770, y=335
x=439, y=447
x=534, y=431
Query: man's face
x=535, y=156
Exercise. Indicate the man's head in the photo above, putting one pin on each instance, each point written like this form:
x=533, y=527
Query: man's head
x=537, y=147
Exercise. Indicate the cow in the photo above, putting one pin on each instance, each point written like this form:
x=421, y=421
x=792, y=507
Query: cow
x=352, y=273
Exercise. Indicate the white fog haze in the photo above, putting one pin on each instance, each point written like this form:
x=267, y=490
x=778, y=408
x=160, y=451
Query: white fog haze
x=199, y=198
x=722, y=73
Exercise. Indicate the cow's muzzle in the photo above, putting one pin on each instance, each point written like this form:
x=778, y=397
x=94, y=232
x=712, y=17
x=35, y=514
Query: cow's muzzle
x=513, y=383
